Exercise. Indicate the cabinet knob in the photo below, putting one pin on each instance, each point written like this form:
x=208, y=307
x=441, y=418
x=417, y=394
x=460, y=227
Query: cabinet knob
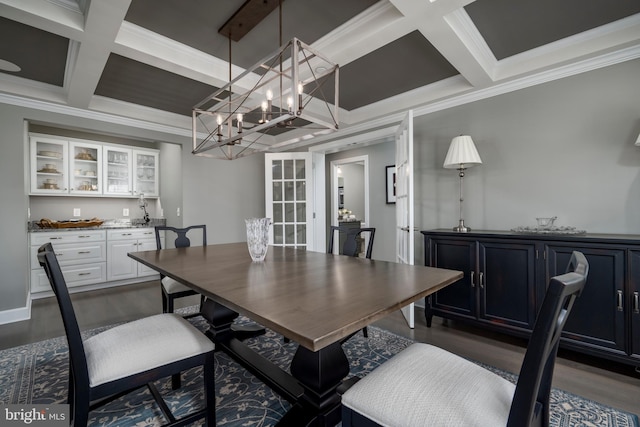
x=636, y=303
x=480, y=280
x=473, y=284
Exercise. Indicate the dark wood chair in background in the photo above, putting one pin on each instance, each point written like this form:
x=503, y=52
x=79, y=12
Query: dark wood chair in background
x=352, y=245
x=124, y=358
x=426, y=385
x=172, y=289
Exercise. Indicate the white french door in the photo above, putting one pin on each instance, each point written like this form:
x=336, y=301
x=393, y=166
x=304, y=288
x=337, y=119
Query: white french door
x=404, y=201
x=289, y=199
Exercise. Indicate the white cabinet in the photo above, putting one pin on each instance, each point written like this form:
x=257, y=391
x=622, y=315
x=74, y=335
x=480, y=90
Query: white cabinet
x=81, y=255
x=145, y=179
x=119, y=244
x=117, y=171
x=68, y=166
x=49, y=165
x=85, y=168
x=131, y=172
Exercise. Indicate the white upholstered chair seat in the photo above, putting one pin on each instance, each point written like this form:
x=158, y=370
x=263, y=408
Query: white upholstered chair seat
x=400, y=392
x=141, y=345
x=172, y=286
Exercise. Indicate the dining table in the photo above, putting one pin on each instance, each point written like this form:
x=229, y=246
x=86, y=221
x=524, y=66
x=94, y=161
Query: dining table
x=315, y=299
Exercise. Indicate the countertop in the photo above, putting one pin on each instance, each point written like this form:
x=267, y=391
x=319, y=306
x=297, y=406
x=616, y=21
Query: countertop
x=108, y=224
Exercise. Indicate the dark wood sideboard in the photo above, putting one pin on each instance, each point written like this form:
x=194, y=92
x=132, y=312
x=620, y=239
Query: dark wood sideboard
x=506, y=275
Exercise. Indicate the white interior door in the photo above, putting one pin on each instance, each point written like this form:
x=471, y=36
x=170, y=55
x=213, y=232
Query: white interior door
x=404, y=201
x=289, y=199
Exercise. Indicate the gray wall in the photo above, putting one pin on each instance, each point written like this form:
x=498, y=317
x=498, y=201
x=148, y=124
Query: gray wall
x=563, y=148
x=219, y=194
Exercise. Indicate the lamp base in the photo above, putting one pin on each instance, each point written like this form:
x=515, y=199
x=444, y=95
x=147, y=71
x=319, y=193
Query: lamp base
x=461, y=228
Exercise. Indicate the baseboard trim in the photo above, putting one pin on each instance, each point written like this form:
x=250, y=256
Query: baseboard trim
x=16, y=314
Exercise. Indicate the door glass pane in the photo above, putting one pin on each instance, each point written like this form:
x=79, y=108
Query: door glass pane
x=301, y=212
x=288, y=169
x=302, y=234
x=288, y=191
x=290, y=234
x=277, y=234
x=277, y=191
x=276, y=169
x=289, y=209
x=300, y=170
x=277, y=212
x=301, y=188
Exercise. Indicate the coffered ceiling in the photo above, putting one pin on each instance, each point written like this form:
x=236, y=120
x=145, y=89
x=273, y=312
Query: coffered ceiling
x=147, y=62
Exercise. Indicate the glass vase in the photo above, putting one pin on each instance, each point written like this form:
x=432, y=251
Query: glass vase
x=258, y=237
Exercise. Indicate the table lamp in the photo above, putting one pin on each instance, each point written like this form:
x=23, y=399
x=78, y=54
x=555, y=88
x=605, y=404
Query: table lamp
x=462, y=154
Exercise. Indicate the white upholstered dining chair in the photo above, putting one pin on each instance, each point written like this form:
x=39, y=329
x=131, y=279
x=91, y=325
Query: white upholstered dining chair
x=121, y=359
x=425, y=385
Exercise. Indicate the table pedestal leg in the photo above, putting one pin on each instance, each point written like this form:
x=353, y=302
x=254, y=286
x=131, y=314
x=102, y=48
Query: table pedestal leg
x=221, y=318
x=320, y=373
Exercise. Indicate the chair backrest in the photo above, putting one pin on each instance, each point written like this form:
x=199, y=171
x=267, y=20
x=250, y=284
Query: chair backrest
x=531, y=397
x=182, y=241
x=78, y=361
x=350, y=247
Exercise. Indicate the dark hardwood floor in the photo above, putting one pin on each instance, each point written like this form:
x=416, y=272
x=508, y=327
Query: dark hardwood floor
x=606, y=382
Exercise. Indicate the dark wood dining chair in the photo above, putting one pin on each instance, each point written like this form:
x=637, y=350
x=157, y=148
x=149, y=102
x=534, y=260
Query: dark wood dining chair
x=172, y=289
x=351, y=246
x=426, y=385
x=124, y=358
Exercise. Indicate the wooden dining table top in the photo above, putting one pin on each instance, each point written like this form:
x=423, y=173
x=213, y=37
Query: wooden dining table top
x=309, y=297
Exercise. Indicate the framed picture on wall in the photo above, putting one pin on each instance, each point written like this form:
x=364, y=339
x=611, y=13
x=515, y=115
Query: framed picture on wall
x=391, y=184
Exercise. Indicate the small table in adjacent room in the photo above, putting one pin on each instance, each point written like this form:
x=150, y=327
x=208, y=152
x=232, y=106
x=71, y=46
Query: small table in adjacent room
x=312, y=298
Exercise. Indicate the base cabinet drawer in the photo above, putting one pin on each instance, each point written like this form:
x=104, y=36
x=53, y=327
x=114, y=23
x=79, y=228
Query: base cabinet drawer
x=76, y=275
x=68, y=254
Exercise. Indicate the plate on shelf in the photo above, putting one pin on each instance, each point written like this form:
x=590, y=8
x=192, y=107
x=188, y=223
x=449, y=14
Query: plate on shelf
x=44, y=170
x=50, y=154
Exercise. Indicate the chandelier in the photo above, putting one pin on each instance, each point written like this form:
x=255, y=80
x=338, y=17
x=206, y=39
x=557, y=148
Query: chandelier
x=287, y=97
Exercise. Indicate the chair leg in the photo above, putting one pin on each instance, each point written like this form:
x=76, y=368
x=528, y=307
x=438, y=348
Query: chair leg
x=170, y=304
x=365, y=332
x=209, y=392
x=80, y=414
x=175, y=381
x=165, y=303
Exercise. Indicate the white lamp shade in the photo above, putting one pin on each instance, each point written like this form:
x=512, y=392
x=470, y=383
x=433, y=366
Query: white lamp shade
x=462, y=153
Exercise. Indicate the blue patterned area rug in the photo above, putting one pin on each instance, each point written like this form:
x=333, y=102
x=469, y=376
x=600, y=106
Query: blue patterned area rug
x=37, y=373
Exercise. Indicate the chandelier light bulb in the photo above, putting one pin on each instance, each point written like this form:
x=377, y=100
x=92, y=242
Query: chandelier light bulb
x=269, y=95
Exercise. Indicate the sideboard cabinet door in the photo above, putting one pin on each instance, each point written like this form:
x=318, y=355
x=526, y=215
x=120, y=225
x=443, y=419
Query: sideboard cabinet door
x=460, y=297
x=598, y=316
x=507, y=284
x=633, y=302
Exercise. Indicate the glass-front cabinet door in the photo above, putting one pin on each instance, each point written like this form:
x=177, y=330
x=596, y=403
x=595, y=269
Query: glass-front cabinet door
x=117, y=171
x=145, y=179
x=85, y=169
x=49, y=167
